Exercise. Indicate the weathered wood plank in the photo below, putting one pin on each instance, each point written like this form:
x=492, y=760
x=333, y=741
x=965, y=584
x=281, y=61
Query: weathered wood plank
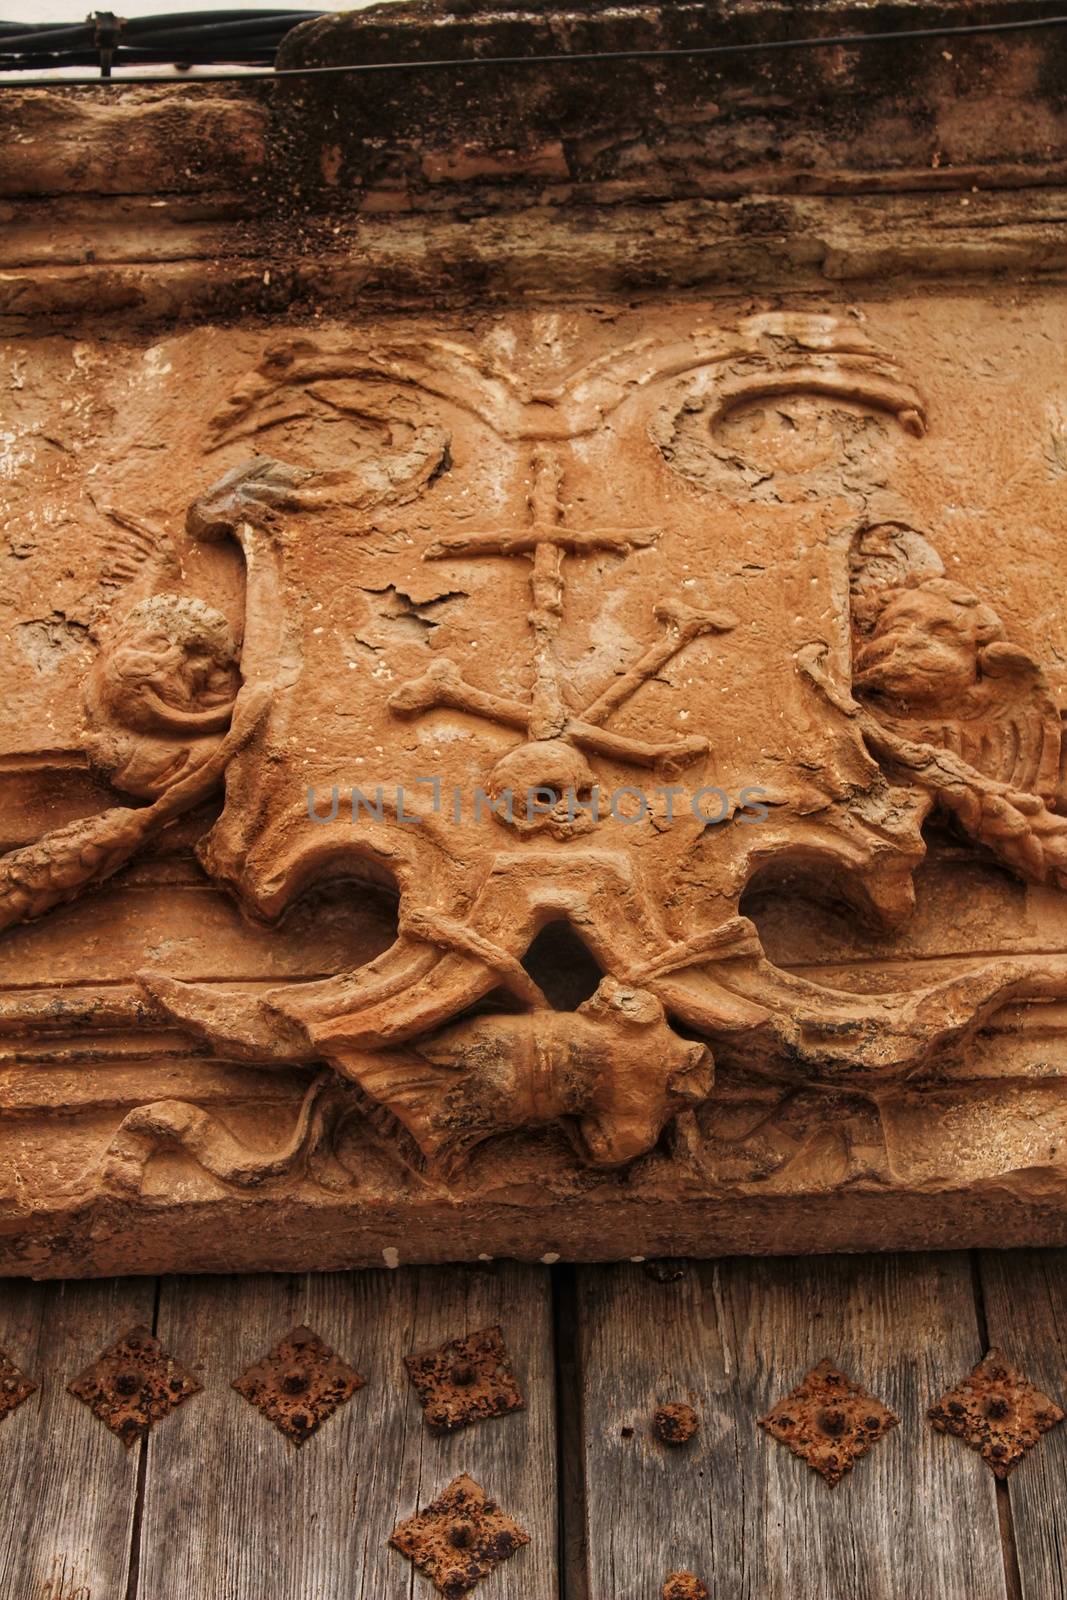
x=914, y=1519
x=69, y=1487
x=251, y=1513
x=1025, y=1295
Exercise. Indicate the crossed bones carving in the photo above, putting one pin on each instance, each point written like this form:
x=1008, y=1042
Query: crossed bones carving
x=546, y=542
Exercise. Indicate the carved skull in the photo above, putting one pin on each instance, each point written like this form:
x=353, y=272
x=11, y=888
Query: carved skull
x=550, y=783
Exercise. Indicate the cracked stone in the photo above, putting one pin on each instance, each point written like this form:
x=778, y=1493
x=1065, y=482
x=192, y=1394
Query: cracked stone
x=299, y=1384
x=467, y=1380
x=133, y=1385
x=459, y=1538
x=15, y=1387
x=997, y=1411
x=829, y=1421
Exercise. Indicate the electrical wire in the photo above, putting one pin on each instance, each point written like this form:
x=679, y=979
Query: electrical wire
x=13, y=34
x=246, y=38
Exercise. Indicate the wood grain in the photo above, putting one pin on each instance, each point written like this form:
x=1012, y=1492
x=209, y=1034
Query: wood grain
x=232, y=1511
x=250, y=1514
x=914, y=1521
x=69, y=1487
x=1025, y=1298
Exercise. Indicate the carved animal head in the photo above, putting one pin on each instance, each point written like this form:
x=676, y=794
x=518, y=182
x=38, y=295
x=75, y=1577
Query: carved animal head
x=614, y=1071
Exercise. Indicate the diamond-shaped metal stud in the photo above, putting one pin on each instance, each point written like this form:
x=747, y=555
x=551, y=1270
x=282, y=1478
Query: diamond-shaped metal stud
x=15, y=1387
x=829, y=1421
x=684, y=1586
x=299, y=1384
x=467, y=1380
x=133, y=1385
x=459, y=1539
x=997, y=1411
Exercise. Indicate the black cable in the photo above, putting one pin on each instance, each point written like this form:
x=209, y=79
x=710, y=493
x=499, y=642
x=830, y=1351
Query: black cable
x=686, y=52
x=188, y=19
x=162, y=28
x=234, y=29
x=77, y=33
x=183, y=39
x=169, y=19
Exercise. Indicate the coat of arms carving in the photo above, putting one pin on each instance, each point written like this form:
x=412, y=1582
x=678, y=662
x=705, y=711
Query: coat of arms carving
x=570, y=665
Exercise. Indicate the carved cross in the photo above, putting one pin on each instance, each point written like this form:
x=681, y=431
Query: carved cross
x=546, y=542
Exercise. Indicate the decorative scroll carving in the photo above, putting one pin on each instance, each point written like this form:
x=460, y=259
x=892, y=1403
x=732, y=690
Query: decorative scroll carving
x=63, y=864
x=209, y=1142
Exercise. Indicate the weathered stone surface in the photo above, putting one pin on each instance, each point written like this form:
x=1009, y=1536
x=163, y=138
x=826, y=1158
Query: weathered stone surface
x=942, y=157
x=532, y=761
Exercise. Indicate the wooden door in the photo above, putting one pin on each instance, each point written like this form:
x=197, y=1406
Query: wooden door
x=216, y=1504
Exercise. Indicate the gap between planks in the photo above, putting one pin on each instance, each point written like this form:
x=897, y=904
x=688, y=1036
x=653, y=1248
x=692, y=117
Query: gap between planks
x=217, y=1499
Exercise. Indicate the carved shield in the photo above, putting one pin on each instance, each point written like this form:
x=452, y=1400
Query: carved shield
x=563, y=657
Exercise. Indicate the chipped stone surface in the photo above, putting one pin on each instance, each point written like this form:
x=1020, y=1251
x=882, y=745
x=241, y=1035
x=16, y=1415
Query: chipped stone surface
x=829, y=1421
x=133, y=1385
x=467, y=1380
x=299, y=1384
x=520, y=182
x=459, y=1538
x=997, y=1411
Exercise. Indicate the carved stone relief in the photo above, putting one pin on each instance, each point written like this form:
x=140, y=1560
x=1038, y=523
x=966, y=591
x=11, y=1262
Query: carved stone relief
x=573, y=739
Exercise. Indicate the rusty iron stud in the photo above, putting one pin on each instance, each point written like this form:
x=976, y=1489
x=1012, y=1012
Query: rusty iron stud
x=299, y=1384
x=829, y=1421
x=684, y=1586
x=467, y=1380
x=15, y=1387
x=676, y=1423
x=459, y=1539
x=997, y=1411
x=133, y=1385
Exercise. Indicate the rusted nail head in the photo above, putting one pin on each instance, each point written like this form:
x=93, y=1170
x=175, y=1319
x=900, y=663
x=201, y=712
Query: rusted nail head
x=675, y=1423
